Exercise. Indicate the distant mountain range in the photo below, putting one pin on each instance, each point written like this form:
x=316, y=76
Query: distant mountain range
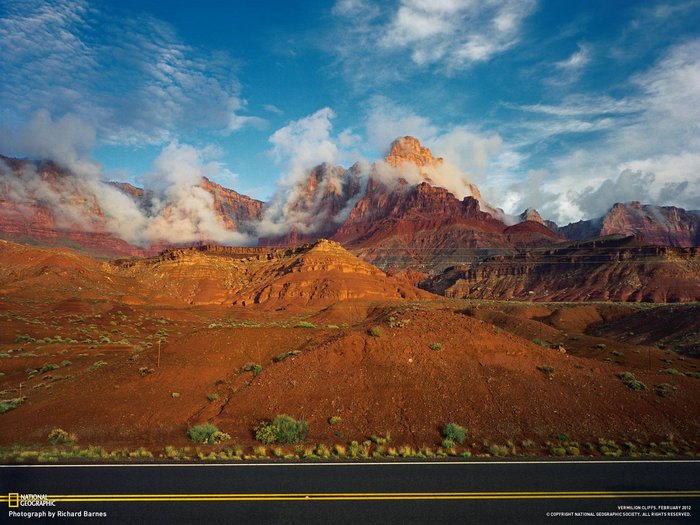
x=405, y=211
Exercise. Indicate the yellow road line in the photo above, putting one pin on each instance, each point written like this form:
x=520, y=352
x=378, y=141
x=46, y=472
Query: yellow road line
x=367, y=496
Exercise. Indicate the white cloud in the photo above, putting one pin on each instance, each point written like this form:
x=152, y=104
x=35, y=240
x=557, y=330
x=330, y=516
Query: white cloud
x=447, y=35
x=643, y=146
x=67, y=141
x=386, y=121
x=132, y=79
x=455, y=33
x=578, y=60
x=306, y=142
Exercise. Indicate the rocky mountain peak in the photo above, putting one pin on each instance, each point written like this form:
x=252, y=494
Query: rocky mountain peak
x=531, y=214
x=409, y=149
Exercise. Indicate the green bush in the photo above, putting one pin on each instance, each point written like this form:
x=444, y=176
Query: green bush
x=631, y=381
x=213, y=396
x=266, y=434
x=334, y=420
x=58, y=436
x=96, y=365
x=448, y=443
x=207, y=434
x=252, y=367
x=499, y=450
x=304, y=324
x=436, y=346
x=665, y=390
x=285, y=355
x=10, y=404
x=546, y=369
x=375, y=331
x=454, y=432
x=671, y=371
x=282, y=429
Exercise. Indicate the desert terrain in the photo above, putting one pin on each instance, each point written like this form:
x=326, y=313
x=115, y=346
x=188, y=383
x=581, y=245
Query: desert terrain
x=124, y=356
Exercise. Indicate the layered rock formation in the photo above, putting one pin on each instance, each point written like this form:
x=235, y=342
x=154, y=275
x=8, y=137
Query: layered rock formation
x=322, y=273
x=610, y=269
x=659, y=225
x=44, y=203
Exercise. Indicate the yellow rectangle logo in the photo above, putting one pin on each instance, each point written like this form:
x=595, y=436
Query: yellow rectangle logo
x=13, y=500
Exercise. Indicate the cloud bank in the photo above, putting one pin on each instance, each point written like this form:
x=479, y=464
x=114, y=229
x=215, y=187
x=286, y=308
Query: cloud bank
x=132, y=79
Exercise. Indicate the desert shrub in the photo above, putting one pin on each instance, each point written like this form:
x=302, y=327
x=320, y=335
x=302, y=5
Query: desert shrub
x=695, y=375
x=546, y=369
x=665, y=390
x=266, y=434
x=540, y=342
x=207, y=434
x=290, y=430
x=213, y=396
x=322, y=451
x=636, y=385
x=144, y=371
x=381, y=440
x=10, y=404
x=285, y=355
x=375, y=331
x=454, y=432
x=282, y=429
x=353, y=449
x=252, y=367
x=406, y=451
x=175, y=395
x=141, y=453
x=631, y=381
x=4, y=355
x=58, y=436
x=498, y=450
x=304, y=324
x=335, y=420
x=448, y=443
x=24, y=339
x=436, y=346
x=558, y=451
x=671, y=372
x=528, y=444
x=601, y=346
x=96, y=365
x=609, y=448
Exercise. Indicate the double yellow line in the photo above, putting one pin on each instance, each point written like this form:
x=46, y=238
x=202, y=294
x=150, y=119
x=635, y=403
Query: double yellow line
x=361, y=496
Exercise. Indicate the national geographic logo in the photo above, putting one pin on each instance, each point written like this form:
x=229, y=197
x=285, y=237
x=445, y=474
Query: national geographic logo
x=15, y=500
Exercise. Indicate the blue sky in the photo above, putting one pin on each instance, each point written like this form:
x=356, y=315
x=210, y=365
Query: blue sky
x=564, y=106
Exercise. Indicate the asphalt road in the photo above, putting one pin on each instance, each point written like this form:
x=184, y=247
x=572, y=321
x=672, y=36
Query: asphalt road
x=361, y=493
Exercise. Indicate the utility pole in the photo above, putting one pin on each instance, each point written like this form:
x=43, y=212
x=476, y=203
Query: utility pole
x=158, y=364
x=20, y=390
